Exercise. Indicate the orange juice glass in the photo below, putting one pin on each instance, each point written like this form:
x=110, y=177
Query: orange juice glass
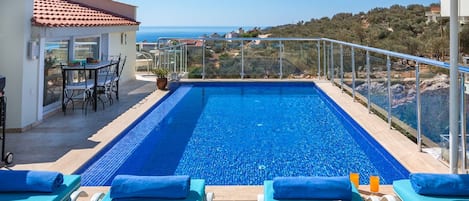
x=374, y=183
x=355, y=178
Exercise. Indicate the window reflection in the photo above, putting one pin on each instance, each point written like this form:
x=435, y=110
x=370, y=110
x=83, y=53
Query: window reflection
x=56, y=52
x=86, y=48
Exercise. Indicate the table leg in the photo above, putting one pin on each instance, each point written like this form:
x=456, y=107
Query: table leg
x=95, y=94
x=117, y=89
x=64, y=107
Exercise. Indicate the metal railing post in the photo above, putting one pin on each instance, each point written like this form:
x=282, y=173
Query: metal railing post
x=181, y=57
x=419, y=107
x=325, y=59
x=175, y=59
x=203, y=60
x=281, y=59
x=388, y=65
x=331, y=68
x=185, y=58
x=368, y=80
x=242, y=59
x=353, y=73
x=158, y=64
x=463, y=123
x=341, y=68
x=319, y=59
x=166, y=59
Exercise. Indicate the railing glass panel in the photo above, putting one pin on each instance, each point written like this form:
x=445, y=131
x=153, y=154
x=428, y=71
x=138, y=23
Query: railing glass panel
x=348, y=73
x=378, y=85
x=361, y=86
x=434, y=89
x=219, y=63
x=261, y=59
x=299, y=59
x=335, y=63
x=195, y=61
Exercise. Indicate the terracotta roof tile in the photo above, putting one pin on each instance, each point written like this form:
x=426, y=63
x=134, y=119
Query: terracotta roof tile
x=62, y=13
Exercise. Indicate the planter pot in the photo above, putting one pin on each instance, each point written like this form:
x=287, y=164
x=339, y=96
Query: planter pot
x=161, y=83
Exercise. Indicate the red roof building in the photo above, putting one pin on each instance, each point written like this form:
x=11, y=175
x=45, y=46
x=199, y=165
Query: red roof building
x=63, y=13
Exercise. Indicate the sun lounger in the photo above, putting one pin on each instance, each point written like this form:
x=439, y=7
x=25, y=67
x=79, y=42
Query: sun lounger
x=405, y=192
x=70, y=184
x=269, y=194
x=196, y=193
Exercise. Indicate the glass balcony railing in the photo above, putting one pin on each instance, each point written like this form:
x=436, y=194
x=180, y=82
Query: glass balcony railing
x=411, y=93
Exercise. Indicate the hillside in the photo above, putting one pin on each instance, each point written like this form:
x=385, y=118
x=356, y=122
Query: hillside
x=398, y=28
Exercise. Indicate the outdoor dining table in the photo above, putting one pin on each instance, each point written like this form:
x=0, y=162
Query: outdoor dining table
x=93, y=68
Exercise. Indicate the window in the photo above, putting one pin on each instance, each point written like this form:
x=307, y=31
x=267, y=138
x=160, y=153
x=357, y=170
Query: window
x=86, y=48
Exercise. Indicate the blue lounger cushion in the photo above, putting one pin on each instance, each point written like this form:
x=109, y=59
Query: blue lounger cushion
x=29, y=181
x=196, y=193
x=70, y=184
x=440, y=184
x=269, y=193
x=164, y=187
x=312, y=188
x=403, y=189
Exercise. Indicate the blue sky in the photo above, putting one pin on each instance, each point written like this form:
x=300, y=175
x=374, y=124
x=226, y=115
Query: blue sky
x=250, y=12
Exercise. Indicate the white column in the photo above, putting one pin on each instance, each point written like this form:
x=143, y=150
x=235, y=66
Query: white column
x=453, y=89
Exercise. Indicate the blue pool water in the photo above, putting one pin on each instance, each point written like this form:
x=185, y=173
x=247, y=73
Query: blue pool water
x=243, y=134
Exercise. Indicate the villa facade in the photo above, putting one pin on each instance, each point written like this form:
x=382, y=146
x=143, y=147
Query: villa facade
x=39, y=35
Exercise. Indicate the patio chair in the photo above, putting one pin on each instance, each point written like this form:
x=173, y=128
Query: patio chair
x=77, y=88
x=116, y=79
x=437, y=187
x=310, y=189
x=161, y=188
x=105, y=80
x=68, y=190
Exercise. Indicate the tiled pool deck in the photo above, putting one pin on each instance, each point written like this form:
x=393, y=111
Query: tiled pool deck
x=64, y=142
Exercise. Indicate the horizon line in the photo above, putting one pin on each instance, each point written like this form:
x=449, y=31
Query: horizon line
x=209, y=25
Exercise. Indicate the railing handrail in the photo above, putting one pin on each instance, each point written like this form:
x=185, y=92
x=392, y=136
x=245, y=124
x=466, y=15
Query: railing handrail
x=421, y=60
x=400, y=55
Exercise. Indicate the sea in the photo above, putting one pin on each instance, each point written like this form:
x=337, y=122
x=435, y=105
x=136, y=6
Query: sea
x=153, y=33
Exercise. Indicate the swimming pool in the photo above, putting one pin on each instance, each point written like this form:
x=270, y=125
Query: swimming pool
x=243, y=134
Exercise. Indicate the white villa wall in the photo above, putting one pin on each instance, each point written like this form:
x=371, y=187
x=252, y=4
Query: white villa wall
x=463, y=8
x=126, y=48
x=21, y=73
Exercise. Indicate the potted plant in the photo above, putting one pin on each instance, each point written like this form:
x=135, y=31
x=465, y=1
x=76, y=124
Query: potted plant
x=161, y=77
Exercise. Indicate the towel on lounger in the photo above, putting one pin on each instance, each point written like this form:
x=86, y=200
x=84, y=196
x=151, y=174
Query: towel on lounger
x=164, y=187
x=312, y=188
x=440, y=184
x=29, y=181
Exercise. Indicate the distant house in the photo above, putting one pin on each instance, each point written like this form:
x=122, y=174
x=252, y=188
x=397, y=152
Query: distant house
x=433, y=14
x=192, y=42
x=232, y=35
x=38, y=35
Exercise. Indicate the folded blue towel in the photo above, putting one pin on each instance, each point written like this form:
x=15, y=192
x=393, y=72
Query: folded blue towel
x=440, y=184
x=163, y=187
x=29, y=181
x=312, y=188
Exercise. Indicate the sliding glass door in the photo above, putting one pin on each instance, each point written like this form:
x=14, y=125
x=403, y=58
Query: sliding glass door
x=56, y=52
